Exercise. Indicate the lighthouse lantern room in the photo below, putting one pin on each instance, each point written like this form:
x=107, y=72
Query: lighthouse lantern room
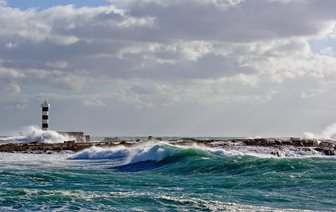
x=45, y=114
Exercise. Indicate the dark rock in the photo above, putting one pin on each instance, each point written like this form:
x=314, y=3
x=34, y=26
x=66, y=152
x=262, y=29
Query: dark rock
x=310, y=142
x=109, y=139
x=293, y=139
x=326, y=144
x=329, y=151
x=189, y=139
x=287, y=142
x=125, y=143
x=277, y=142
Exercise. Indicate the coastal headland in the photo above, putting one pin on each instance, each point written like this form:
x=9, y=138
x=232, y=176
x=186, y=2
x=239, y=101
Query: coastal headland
x=323, y=146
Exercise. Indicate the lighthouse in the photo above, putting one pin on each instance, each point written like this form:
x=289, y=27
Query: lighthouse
x=45, y=114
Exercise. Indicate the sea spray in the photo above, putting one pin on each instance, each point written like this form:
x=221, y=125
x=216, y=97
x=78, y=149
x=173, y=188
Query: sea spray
x=328, y=133
x=36, y=134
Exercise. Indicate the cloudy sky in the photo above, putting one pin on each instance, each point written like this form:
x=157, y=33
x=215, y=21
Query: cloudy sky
x=169, y=67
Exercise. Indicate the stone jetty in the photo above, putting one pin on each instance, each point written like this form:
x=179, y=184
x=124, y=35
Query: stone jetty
x=325, y=146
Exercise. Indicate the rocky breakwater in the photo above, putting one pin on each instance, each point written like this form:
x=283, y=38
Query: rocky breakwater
x=325, y=146
x=38, y=147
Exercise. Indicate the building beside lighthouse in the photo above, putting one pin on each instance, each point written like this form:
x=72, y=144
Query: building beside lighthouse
x=45, y=115
x=78, y=136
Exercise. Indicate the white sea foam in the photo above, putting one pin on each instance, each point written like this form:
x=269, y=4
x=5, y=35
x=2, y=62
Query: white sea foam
x=213, y=205
x=97, y=153
x=267, y=152
x=13, y=158
x=33, y=134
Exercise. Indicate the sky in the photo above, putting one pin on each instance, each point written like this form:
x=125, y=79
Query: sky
x=169, y=68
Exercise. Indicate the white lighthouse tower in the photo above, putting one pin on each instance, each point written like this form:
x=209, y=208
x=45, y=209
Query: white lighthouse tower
x=45, y=114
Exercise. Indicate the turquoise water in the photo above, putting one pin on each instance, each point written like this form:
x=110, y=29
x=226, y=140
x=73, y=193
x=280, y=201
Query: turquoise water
x=165, y=178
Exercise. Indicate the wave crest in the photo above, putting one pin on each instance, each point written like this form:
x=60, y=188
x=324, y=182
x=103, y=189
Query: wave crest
x=141, y=153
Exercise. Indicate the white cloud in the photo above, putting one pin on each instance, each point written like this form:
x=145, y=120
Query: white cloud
x=8, y=90
x=156, y=53
x=6, y=73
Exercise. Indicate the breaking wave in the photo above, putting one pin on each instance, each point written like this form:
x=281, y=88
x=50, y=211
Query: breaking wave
x=141, y=153
x=36, y=134
x=157, y=152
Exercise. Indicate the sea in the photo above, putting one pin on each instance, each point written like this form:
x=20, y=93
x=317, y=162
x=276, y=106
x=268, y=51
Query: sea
x=159, y=176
